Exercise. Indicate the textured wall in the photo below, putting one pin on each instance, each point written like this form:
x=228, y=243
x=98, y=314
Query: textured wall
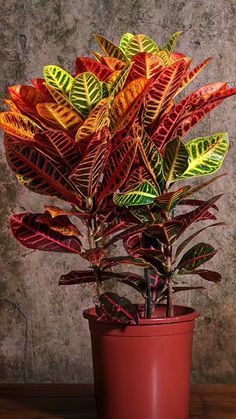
x=43, y=337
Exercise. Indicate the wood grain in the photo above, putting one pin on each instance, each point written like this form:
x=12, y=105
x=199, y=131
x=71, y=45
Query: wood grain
x=67, y=401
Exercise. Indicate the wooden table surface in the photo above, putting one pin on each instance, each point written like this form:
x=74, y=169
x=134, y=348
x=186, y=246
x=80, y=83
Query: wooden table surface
x=66, y=401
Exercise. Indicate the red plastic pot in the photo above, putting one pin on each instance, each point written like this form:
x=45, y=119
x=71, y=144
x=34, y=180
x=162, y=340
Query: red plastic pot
x=143, y=371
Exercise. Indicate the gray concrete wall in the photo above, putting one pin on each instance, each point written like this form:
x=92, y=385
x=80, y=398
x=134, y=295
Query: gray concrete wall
x=43, y=337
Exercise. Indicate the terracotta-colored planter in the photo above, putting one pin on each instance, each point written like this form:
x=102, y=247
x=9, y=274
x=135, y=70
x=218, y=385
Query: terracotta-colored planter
x=143, y=371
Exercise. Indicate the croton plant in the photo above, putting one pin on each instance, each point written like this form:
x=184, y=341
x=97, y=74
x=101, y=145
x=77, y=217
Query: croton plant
x=107, y=142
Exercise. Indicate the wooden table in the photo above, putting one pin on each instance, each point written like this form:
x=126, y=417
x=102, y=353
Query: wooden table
x=66, y=401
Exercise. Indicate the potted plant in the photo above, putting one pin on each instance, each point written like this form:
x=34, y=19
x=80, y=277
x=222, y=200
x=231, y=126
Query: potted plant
x=108, y=141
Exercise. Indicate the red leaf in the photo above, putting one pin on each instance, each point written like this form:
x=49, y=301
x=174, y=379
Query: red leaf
x=118, y=166
x=83, y=64
x=94, y=256
x=145, y=65
x=190, y=111
x=35, y=235
x=61, y=223
x=87, y=174
x=208, y=275
x=77, y=277
x=38, y=172
x=60, y=146
x=197, y=214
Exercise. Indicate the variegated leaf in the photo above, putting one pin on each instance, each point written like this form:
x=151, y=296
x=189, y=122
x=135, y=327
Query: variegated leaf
x=150, y=155
x=162, y=91
x=56, y=212
x=118, y=309
x=205, y=274
x=118, y=166
x=120, y=80
x=125, y=40
x=19, y=125
x=58, y=78
x=61, y=99
x=62, y=115
x=182, y=117
x=97, y=119
x=59, y=146
x=192, y=74
x=110, y=49
x=146, y=65
x=87, y=174
x=196, y=256
x=175, y=161
x=144, y=194
x=127, y=103
x=185, y=243
x=61, y=224
x=166, y=233
x=113, y=63
x=86, y=92
x=169, y=46
x=36, y=235
x=38, y=172
x=88, y=64
x=206, y=155
x=140, y=43
x=169, y=200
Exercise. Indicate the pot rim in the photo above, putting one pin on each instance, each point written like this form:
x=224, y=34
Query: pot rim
x=182, y=314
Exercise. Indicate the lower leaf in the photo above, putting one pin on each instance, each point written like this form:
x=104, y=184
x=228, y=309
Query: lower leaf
x=118, y=309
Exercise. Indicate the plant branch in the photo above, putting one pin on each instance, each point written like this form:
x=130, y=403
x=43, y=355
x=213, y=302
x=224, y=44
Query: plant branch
x=149, y=304
x=170, y=295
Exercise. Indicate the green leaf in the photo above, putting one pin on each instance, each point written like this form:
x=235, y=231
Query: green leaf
x=140, y=43
x=206, y=155
x=143, y=194
x=196, y=256
x=175, y=160
x=169, y=46
x=125, y=40
x=86, y=92
x=58, y=78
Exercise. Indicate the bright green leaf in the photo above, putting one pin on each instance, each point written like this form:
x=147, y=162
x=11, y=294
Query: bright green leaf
x=58, y=78
x=86, y=92
x=143, y=194
x=206, y=155
x=125, y=40
x=140, y=43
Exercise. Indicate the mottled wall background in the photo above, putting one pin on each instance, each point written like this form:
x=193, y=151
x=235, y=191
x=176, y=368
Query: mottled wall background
x=43, y=337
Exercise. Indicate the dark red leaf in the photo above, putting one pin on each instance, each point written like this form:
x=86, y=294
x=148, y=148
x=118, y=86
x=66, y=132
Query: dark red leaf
x=118, y=309
x=35, y=235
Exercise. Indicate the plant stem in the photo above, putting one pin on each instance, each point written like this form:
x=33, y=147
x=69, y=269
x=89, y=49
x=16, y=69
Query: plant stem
x=148, y=305
x=92, y=245
x=170, y=295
